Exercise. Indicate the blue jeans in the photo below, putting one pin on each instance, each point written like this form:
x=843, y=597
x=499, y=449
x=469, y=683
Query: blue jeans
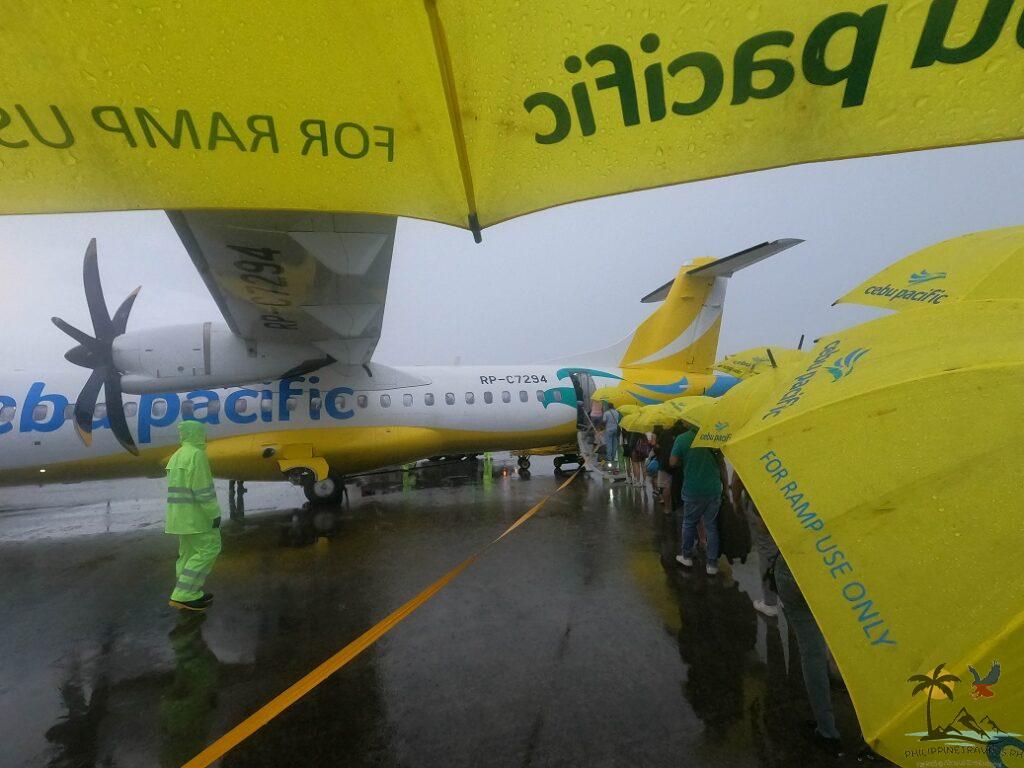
x=701, y=508
x=813, y=651
x=611, y=445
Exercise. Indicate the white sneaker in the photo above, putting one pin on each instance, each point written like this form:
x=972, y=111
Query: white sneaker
x=711, y=569
x=684, y=560
x=768, y=610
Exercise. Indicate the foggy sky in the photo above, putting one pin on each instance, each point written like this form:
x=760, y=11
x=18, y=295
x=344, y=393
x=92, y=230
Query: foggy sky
x=561, y=281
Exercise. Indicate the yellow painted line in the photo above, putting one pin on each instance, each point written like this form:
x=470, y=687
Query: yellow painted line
x=290, y=695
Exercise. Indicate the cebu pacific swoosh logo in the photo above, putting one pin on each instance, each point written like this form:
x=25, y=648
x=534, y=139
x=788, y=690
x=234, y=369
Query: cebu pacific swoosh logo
x=924, y=276
x=720, y=425
x=843, y=366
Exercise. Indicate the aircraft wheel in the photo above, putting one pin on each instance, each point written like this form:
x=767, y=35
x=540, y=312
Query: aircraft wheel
x=327, y=491
x=524, y=462
x=524, y=473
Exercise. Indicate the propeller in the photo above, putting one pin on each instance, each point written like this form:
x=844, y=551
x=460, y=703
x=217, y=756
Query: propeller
x=97, y=354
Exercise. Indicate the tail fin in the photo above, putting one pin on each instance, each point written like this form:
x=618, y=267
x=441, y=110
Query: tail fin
x=682, y=334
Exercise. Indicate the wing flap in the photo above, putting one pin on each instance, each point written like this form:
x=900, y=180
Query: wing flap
x=294, y=276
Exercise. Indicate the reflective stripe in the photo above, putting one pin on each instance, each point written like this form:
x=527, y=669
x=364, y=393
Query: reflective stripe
x=179, y=489
x=203, y=495
x=180, y=500
x=192, y=574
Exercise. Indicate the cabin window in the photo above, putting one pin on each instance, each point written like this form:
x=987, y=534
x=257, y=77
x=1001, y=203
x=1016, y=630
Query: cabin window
x=101, y=412
x=69, y=412
x=292, y=403
x=506, y=396
x=266, y=403
x=449, y=397
x=242, y=404
x=8, y=411
x=385, y=401
x=488, y=397
x=470, y=399
x=407, y=400
x=188, y=410
x=159, y=409
x=208, y=408
x=540, y=395
x=340, y=402
x=41, y=412
x=524, y=396
x=428, y=399
x=132, y=408
x=362, y=401
x=556, y=395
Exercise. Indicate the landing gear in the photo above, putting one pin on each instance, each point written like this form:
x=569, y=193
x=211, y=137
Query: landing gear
x=524, y=467
x=569, y=458
x=236, y=499
x=330, y=490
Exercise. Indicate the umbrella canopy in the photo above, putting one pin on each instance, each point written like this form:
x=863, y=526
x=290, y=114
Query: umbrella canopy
x=981, y=265
x=751, y=362
x=614, y=395
x=471, y=112
x=727, y=414
x=666, y=414
x=888, y=470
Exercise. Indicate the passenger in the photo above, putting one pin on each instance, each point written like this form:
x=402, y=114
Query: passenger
x=193, y=514
x=813, y=658
x=703, y=481
x=611, y=434
x=767, y=549
x=639, y=450
x=664, y=438
x=675, y=471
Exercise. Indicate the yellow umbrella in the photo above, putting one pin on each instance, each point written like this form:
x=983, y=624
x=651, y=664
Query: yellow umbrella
x=628, y=409
x=728, y=413
x=668, y=413
x=613, y=395
x=888, y=470
x=751, y=362
x=982, y=265
x=471, y=112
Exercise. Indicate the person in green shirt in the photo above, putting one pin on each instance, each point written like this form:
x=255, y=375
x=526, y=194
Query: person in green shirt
x=193, y=515
x=703, y=480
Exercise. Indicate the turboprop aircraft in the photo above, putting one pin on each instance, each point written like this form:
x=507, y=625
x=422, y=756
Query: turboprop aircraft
x=288, y=387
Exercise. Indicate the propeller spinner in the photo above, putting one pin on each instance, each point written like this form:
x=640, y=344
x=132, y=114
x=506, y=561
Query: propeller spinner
x=97, y=354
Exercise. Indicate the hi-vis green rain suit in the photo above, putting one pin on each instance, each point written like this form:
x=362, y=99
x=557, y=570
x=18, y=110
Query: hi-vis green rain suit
x=192, y=512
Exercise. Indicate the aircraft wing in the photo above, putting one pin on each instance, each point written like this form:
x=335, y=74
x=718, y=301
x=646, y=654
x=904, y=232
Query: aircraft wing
x=295, y=277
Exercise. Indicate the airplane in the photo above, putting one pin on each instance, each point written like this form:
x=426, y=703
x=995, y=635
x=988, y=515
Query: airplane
x=287, y=385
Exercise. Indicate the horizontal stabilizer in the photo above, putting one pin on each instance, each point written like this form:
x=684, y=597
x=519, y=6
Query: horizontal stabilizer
x=727, y=266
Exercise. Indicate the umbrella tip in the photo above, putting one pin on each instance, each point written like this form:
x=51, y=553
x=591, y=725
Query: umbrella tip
x=474, y=227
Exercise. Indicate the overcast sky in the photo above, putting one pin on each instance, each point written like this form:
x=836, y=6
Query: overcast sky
x=560, y=281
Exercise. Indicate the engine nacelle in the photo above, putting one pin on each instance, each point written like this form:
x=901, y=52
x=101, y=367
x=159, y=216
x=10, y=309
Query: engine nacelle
x=179, y=358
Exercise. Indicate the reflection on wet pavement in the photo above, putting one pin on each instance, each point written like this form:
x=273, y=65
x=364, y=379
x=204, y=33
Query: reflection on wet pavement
x=576, y=641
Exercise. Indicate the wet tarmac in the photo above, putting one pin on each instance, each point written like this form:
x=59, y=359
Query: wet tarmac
x=576, y=641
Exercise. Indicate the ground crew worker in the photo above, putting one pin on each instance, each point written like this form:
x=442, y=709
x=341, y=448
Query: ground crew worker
x=193, y=514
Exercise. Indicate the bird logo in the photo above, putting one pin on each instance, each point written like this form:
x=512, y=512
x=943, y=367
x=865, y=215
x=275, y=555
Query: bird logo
x=981, y=688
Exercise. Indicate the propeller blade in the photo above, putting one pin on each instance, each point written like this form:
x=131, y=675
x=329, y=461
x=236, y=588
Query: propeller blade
x=115, y=413
x=85, y=406
x=120, y=321
x=101, y=324
x=80, y=336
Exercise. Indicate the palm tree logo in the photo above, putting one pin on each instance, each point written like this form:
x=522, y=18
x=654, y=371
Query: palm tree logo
x=937, y=680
